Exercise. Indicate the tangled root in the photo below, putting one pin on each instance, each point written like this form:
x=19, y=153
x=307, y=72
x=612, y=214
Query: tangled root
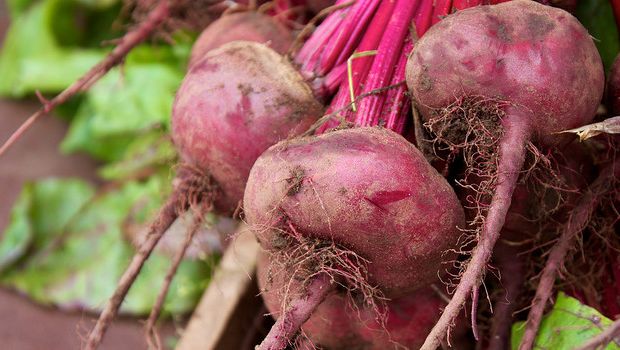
x=597, y=246
x=197, y=187
x=469, y=130
x=303, y=258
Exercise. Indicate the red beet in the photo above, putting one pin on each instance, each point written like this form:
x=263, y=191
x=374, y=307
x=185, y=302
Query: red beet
x=245, y=26
x=366, y=191
x=235, y=103
x=529, y=63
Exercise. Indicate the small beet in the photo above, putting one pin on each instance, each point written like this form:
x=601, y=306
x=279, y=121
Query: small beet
x=242, y=26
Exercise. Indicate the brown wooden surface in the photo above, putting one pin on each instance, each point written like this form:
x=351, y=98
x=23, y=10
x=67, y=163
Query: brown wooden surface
x=24, y=325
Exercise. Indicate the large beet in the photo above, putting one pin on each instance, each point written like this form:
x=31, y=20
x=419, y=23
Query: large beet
x=365, y=189
x=535, y=57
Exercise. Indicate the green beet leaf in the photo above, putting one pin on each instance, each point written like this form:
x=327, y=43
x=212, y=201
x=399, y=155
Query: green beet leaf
x=67, y=246
x=569, y=324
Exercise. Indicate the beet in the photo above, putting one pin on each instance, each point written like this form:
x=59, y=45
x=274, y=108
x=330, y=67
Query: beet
x=242, y=26
x=524, y=66
x=540, y=57
x=365, y=191
x=235, y=103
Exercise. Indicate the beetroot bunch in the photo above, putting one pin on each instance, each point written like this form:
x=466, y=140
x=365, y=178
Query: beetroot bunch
x=311, y=130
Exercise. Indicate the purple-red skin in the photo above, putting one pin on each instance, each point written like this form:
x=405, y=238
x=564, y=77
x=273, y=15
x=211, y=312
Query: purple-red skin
x=245, y=26
x=613, y=87
x=537, y=73
x=238, y=101
x=336, y=324
x=367, y=190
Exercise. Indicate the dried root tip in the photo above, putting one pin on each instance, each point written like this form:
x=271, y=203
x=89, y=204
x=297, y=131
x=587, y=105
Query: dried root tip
x=289, y=323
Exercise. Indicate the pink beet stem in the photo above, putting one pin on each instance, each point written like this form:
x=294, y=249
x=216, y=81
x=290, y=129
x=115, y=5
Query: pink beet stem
x=398, y=103
x=287, y=326
x=423, y=18
x=442, y=9
x=340, y=101
x=310, y=53
x=512, y=156
x=463, y=4
x=371, y=35
x=370, y=41
x=334, y=78
x=360, y=66
x=383, y=66
x=355, y=22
